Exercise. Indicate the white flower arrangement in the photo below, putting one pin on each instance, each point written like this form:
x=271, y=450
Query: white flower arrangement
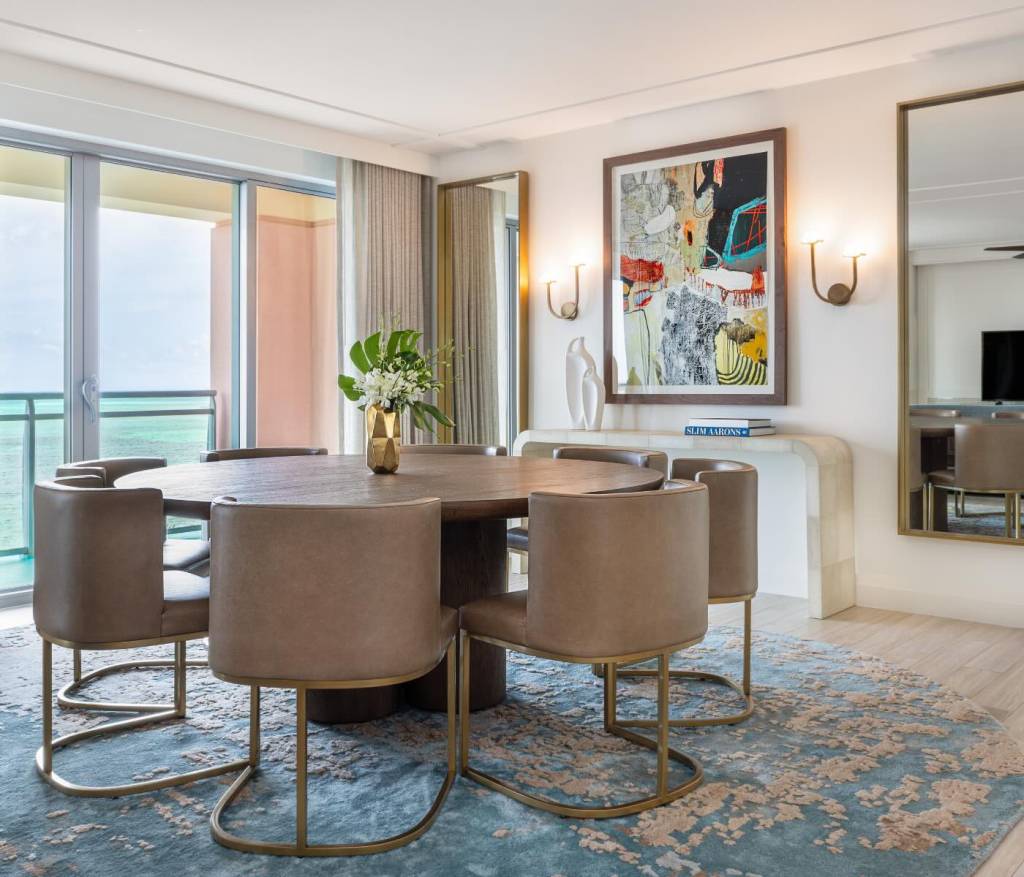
x=394, y=374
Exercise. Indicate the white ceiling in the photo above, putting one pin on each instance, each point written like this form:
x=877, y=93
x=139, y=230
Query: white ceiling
x=439, y=75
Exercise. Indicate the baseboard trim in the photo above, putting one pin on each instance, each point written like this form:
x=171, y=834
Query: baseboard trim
x=15, y=598
x=960, y=608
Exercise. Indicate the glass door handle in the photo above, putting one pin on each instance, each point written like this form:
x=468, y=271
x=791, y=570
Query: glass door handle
x=90, y=394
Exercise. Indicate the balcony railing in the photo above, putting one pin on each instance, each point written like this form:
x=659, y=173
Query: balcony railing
x=34, y=411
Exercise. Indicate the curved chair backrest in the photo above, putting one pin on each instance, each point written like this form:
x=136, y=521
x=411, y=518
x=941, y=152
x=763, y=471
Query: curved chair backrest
x=629, y=456
x=98, y=563
x=80, y=481
x=475, y=450
x=319, y=593
x=111, y=468
x=617, y=574
x=254, y=453
x=990, y=456
x=732, y=501
x=1008, y=415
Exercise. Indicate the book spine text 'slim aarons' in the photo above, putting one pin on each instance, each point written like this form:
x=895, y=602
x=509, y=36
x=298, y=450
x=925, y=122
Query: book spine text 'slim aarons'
x=736, y=431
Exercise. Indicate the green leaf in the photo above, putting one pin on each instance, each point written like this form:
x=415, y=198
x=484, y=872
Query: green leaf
x=347, y=385
x=394, y=339
x=410, y=340
x=358, y=357
x=417, y=416
x=437, y=414
x=371, y=347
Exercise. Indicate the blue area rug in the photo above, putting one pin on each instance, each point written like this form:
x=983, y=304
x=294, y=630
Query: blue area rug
x=849, y=766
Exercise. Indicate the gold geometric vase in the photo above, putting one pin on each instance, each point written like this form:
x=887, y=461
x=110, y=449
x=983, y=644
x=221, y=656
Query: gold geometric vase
x=383, y=440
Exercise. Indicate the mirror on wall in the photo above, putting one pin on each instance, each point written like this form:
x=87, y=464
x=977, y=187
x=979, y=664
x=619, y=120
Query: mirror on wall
x=482, y=284
x=962, y=315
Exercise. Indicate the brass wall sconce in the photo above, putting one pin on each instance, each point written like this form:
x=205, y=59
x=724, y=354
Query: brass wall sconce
x=838, y=294
x=568, y=310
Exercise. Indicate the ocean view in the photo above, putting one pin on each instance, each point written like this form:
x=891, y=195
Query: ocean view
x=178, y=438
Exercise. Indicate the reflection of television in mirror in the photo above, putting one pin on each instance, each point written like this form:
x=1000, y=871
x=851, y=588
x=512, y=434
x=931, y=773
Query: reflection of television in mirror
x=1002, y=366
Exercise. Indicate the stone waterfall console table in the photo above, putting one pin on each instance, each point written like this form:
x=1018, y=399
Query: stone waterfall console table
x=823, y=509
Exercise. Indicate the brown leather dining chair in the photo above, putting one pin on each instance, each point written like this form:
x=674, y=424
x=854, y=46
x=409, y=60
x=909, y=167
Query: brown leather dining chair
x=732, y=577
x=590, y=601
x=183, y=555
x=187, y=555
x=474, y=450
x=220, y=454
x=99, y=585
x=65, y=698
x=518, y=538
x=989, y=460
x=302, y=599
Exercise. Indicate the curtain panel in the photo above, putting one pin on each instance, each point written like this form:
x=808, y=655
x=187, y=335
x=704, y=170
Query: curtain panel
x=385, y=269
x=476, y=255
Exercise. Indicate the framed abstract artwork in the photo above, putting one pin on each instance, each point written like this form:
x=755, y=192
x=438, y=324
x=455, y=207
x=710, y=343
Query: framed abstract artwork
x=695, y=273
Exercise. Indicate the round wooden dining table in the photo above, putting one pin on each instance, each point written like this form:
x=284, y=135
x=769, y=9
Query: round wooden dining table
x=478, y=494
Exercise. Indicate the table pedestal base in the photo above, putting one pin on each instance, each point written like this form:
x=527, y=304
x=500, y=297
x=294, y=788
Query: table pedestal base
x=473, y=565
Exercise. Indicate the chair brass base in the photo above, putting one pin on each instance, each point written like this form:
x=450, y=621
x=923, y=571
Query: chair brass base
x=1013, y=506
x=664, y=793
x=157, y=713
x=743, y=690
x=733, y=719
x=65, y=701
x=302, y=847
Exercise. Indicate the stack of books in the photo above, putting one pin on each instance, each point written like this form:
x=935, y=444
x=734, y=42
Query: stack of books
x=730, y=426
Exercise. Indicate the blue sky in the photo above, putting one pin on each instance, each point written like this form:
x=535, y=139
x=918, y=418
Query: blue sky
x=154, y=299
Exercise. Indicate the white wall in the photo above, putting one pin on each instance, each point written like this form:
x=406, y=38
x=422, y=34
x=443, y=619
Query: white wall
x=956, y=302
x=842, y=361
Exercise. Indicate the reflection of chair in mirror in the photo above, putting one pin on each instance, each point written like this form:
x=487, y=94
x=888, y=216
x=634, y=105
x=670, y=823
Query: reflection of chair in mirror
x=937, y=452
x=989, y=460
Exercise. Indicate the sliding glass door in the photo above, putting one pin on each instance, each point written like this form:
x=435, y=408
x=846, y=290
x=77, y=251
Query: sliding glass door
x=33, y=243
x=135, y=294
x=163, y=345
x=164, y=336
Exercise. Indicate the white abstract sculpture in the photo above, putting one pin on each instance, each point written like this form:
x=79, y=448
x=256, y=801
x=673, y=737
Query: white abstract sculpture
x=593, y=399
x=577, y=361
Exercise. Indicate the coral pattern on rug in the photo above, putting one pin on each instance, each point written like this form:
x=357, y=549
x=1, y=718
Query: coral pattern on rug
x=849, y=766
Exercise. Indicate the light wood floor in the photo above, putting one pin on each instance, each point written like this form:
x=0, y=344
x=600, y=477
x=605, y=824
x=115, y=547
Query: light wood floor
x=981, y=661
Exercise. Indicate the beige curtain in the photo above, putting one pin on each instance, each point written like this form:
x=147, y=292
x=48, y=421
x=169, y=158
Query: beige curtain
x=384, y=267
x=475, y=312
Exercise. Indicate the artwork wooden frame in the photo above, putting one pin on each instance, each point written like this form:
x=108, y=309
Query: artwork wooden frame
x=719, y=333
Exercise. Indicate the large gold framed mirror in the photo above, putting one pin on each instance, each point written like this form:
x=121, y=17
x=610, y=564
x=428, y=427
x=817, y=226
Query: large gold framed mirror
x=961, y=301
x=482, y=291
